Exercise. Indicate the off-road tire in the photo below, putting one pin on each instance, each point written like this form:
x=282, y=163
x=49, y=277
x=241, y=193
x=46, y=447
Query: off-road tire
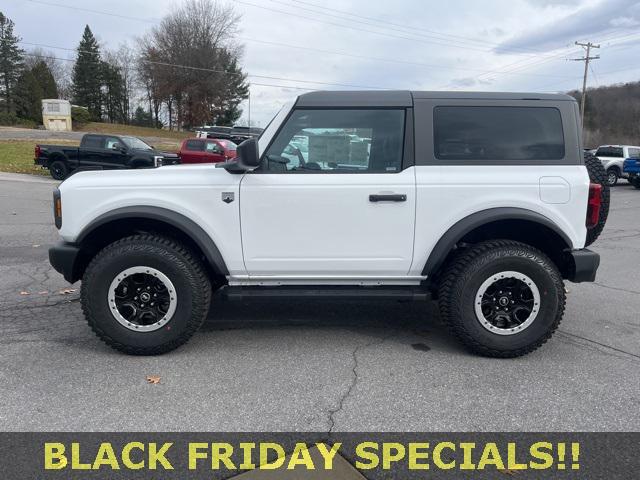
x=635, y=182
x=464, y=275
x=597, y=174
x=178, y=263
x=58, y=170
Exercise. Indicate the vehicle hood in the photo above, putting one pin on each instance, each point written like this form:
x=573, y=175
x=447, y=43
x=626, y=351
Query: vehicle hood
x=173, y=176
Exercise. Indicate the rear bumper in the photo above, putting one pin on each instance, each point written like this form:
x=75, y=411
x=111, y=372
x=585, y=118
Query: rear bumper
x=43, y=162
x=64, y=258
x=583, y=265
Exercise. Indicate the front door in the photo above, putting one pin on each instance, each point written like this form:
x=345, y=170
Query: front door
x=334, y=198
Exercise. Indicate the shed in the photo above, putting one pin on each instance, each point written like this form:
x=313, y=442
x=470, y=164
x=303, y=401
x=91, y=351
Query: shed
x=56, y=115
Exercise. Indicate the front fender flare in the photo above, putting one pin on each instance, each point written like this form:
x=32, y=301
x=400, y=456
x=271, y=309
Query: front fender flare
x=176, y=220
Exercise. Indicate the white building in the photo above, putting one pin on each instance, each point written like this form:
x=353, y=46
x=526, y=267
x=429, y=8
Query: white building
x=56, y=115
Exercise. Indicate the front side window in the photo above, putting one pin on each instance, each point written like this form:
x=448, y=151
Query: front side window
x=213, y=147
x=634, y=153
x=112, y=142
x=338, y=141
x=134, y=142
x=498, y=133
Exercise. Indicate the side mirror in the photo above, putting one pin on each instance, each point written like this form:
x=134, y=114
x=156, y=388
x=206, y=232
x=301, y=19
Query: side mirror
x=247, y=157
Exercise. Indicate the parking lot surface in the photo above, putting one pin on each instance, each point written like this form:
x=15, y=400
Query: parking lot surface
x=311, y=366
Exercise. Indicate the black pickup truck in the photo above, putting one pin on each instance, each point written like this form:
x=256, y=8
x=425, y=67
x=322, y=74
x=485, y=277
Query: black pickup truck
x=98, y=152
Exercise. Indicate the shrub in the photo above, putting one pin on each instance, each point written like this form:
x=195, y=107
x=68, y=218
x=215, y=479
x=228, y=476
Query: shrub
x=8, y=118
x=80, y=116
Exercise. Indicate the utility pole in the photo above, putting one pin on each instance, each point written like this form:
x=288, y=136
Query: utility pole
x=586, y=59
x=249, y=121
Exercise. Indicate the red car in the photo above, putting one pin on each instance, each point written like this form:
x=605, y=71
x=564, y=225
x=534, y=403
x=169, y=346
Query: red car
x=206, y=150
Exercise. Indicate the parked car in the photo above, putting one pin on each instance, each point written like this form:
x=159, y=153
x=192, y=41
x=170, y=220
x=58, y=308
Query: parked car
x=632, y=168
x=479, y=200
x=204, y=150
x=100, y=152
x=612, y=158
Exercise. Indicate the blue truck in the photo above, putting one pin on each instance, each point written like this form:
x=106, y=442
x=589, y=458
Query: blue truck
x=631, y=167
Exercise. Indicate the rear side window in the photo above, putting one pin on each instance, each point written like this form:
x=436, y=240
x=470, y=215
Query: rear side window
x=615, y=152
x=498, y=133
x=194, y=145
x=92, y=142
x=634, y=153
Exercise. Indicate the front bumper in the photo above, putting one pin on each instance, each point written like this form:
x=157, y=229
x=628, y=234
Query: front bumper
x=66, y=259
x=583, y=265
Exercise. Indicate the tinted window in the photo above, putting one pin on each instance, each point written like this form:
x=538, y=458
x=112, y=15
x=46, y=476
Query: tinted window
x=498, y=133
x=113, y=142
x=340, y=141
x=194, y=145
x=615, y=152
x=92, y=141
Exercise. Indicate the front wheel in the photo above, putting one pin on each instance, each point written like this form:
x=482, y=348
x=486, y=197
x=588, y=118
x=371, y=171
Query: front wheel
x=502, y=298
x=145, y=294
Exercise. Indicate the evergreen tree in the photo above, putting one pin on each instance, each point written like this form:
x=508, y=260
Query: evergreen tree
x=114, y=93
x=44, y=77
x=11, y=60
x=142, y=118
x=86, y=75
x=28, y=97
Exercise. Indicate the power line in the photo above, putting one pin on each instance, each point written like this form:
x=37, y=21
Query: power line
x=388, y=27
x=211, y=70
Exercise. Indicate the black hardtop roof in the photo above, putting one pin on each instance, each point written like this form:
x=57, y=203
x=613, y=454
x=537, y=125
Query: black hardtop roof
x=404, y=98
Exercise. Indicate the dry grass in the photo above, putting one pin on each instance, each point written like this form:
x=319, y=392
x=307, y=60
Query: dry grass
x=116, y=129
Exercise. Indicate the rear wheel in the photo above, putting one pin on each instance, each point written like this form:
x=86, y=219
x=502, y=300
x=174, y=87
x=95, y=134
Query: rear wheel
x=502, y=298
x=58, y=170
x=612, y=176
x=145, y=294
x=598, y=175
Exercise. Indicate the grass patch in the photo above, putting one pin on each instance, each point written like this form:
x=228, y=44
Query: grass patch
x=116, y=129
x=16, y=156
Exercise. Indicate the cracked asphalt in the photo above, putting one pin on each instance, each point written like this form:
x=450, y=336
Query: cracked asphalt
x=311, y=366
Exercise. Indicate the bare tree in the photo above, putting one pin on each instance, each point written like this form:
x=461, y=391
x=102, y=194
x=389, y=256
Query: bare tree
x=190, y=63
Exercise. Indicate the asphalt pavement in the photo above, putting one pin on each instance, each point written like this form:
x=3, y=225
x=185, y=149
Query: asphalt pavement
x=311, y=366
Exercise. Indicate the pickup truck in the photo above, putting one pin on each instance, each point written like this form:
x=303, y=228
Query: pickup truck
x=613, y=157
x=100, y=152
x=481, y=201
x=631, y=167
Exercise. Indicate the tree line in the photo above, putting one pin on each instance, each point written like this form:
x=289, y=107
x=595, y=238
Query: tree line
x=184, y=72
x=611, y=115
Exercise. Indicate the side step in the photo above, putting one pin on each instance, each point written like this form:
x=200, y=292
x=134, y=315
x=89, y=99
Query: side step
x=328, y=291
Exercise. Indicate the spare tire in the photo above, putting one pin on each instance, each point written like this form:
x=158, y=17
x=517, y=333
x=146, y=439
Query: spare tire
x=597, y=174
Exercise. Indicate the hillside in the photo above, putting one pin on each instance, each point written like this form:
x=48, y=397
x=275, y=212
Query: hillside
x=612, y=115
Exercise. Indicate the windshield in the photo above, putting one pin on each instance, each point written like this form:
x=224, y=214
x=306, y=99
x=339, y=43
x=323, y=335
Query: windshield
x=228, y=145
x=133, y=142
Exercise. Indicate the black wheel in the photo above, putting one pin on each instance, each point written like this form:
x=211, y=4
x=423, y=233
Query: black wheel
x=502, y=298
x=636, y=182
x=598, y=175
x=59, y=170
x=612, y=177
x=145, y=294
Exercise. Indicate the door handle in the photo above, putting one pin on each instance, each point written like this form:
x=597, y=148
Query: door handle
x=394, y=197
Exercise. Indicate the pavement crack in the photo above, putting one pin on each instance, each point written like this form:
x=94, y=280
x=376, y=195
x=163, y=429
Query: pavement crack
x=354, y=379
x=604, y=345
x=634, y=292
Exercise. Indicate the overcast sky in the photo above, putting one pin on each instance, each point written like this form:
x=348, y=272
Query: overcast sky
x=490, y=45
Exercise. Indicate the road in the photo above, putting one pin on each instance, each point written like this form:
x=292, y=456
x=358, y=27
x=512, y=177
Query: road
x=311, y=366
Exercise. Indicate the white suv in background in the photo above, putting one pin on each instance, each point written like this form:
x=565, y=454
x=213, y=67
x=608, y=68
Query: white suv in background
x=612, y=158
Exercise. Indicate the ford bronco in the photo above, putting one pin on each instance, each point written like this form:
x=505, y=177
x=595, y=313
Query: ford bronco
x=481, y=201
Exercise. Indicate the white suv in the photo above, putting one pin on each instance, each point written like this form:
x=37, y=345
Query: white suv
x=480, y=200
x=613, y=157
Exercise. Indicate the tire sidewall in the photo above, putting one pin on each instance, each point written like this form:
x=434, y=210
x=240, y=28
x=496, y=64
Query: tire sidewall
x=64, y=170
x=485, y=268
x=610, y=174
x=156, y=257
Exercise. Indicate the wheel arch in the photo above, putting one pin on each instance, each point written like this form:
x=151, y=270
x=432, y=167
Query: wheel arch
x=125, y=221
x=506, y=223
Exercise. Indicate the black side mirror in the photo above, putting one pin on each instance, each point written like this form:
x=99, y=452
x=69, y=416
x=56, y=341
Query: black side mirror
x=247, y=157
